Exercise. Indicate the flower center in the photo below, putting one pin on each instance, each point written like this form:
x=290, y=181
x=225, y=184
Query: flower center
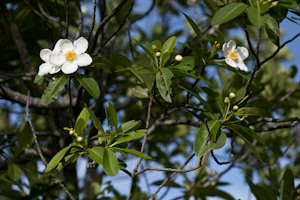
x=233, y=55
x=70, y=55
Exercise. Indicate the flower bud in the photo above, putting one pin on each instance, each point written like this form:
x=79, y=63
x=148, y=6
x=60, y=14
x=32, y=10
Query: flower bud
x=178, y=58
x=235, y=107
x=218, y=46
x=79, y=139
x=231, y=95
x=274, y=4
x=216, y=42
x=157, y=54
x=71, y=132
x=153, y=46
x=226, y=100
x=213, y=183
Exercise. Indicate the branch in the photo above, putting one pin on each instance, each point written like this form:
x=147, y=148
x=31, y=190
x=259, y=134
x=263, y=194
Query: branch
x=94, y=19
x=231, y=155
x=278, y=127
x=18, y=39
x=104, y=21
x=269, y=119
x=40, y=152
x=80, y=20
x=122, y=23
x=35, y=102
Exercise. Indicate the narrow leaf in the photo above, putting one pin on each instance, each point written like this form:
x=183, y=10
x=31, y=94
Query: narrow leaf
x=228, y=13
x=111, y=165
x=163, y=81
x=134, y=152
x=82, y=121
x=89, y=84
x=194, y=26
x=51, y=93
x=96, y=154
x=111, y=115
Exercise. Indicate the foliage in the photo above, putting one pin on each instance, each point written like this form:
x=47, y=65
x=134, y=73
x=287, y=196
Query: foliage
x=164, y=104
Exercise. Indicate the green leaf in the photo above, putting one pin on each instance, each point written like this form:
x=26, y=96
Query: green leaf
x=5, y=180
x=273, y=30
x=213, y=95
x=129, y=137
x=121, y=60
x=24, y=137
x=149, y=54
x=129, y=126
x=253, y=149
x=262, y=191
x=89, y=84
x=57, y=158
x=96, y=154
x=158, y=45
x=82, y=121
x=287, y=184
x=69, y=159
x=242, y=129
x=111, y=165
x=200, y=146
x=139, y=92
x=14, y=171
x=38, y=79
x=228, y=13
x=194, y=26
x=168, y=46
x=51, y=93
x=194, y=93
x=98, y=59
x=255, y=12
x=163, y=81
x=221, y=140
x=250, y=111
x=187, y=74
x=111, y=115
x=134, y=152
x=98, y=126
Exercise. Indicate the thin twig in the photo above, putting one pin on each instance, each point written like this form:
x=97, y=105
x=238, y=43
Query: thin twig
x=277, y=127
x=122, y=23
x=173, y=174
x=103, y=22
x=80, y=19
x=59, y=19
x=70, y=101
x=269, y=119
x=231, y=154
x=94, y=19
x=67, y=18
x=40, y=152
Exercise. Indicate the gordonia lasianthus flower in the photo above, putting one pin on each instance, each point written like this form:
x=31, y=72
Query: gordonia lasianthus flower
x=49, y=67
x=235, y=56
x=71, y=55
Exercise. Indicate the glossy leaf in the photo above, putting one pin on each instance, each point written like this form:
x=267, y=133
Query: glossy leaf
x=201, y=143
x=129, y=137
x=111, y=115
x=262, y=191
x=5, y=180
x=228, y=13
x=139, y=92
x=255, y=12
x=134, y=152
x=168, y=46
x=52, y=92
x=38, y=79
x=82, y=121
x=57, y=158
x=98, y=59
x=163, y=81
x=24, y=137
x=89, y=84
x=14, y=171
x=287, y=184
x=129, y=126
x=110, y=164
x=96, y=154
x=194, y=26
x=149, y=54
x=250, y=111
x=69, y=159
x=273, y=30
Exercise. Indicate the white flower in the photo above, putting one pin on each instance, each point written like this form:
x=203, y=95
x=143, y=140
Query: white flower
x=235, y=57
x=49, y=67
x=72, y=55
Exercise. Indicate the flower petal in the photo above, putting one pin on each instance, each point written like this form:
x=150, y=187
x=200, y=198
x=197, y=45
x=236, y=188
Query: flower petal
x=66, y=45
x=54, y=69
x=231, y=62
x=84, y=60
x=44, y=69
x=44, y=54
x=81, y=45
x=227, y=47
x=242, y=52
x=57, y=58
x=242, y=66
x=69, y=67
x=57, y=46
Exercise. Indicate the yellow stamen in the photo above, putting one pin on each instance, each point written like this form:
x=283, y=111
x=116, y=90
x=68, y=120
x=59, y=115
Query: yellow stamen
x=70, y=55
x=233, y=55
